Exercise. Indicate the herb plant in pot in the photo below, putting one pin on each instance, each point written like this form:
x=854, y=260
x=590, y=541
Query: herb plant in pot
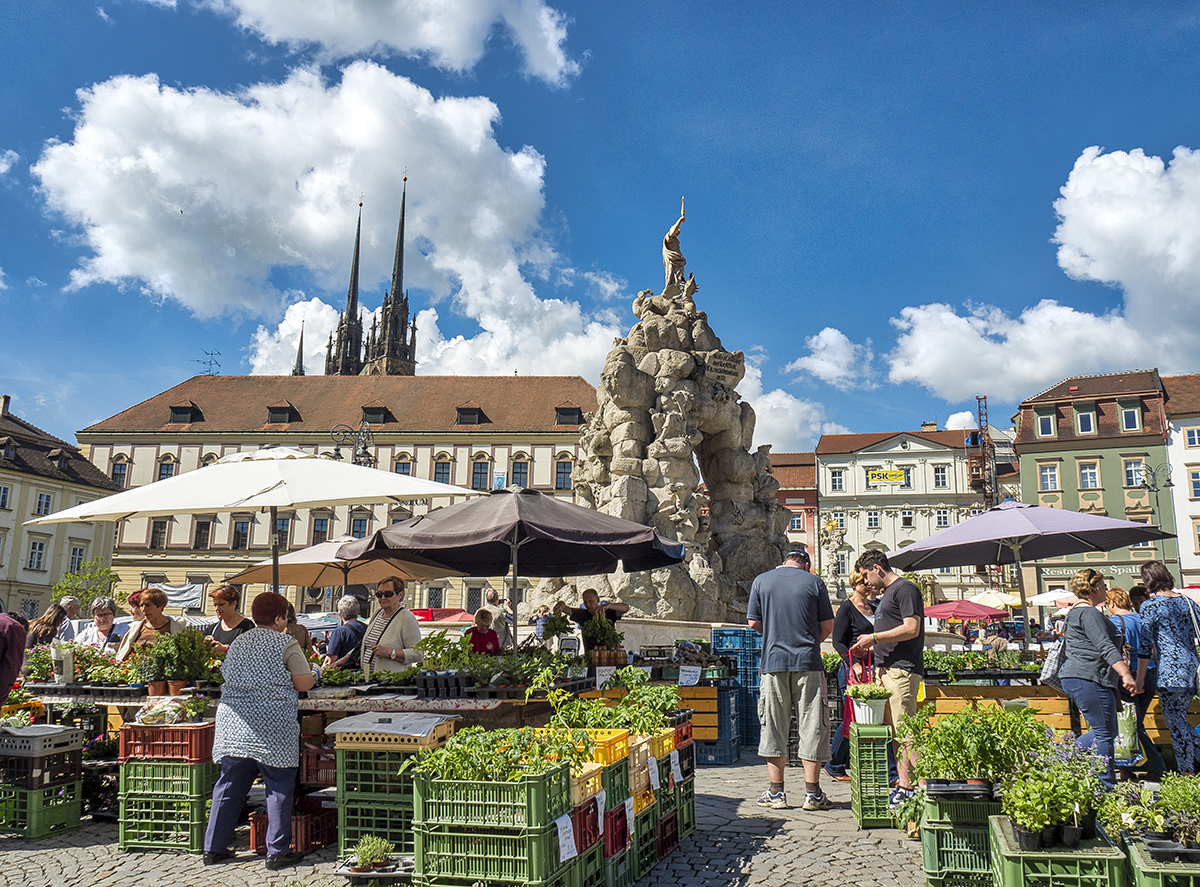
x=1034, y=806
x=869, y=702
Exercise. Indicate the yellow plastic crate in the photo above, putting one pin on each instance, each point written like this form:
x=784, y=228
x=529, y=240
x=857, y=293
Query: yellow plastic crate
x=662, y=743
x=586, y=784
x=643, y=799
x=608, y=746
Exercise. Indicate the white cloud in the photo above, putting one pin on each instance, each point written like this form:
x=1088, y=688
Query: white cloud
x=1129, y=219
x=34, y=282
x=451, y=36
x=3, y=285
x=782, y=420
x=273, y=352
x=606, y=286
x=835, y=360
x=962, y=421
x=7, y=160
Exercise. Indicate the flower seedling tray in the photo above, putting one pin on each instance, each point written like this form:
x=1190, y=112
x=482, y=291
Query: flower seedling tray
x=1149, y=869
x=529, y=802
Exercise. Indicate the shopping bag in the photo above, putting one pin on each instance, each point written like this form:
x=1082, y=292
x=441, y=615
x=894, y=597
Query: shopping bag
x=1125, y=747
x=1056, y=656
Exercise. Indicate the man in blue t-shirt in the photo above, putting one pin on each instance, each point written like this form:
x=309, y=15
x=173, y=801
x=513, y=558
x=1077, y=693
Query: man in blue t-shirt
x=790, y=608
x=345, y=641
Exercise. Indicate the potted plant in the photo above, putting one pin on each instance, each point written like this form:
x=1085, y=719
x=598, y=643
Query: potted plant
x=1034, y=806
x=869, y=702
x=150, y=665
x=192, y=654
x=367, y=851
x=194, y=708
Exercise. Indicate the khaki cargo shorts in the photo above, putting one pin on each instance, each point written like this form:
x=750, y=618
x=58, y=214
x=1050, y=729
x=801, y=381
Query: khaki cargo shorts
x=904, y=686
x=804, y=694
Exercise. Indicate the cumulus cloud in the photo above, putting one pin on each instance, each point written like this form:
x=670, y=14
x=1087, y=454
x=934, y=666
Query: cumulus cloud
x=784, y=421
x=451, y=36
x=273, y=351
x=962, y=421
x=7, y=160
x=835, y=360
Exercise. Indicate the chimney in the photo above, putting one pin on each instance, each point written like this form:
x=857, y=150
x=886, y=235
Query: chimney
x=4, y=398
x=929, y=426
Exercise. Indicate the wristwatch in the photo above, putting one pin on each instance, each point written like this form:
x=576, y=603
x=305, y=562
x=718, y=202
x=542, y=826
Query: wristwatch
x=393, y=652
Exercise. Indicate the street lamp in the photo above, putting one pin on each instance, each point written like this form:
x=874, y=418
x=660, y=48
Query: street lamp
x=360, y=440
x=1154, y=479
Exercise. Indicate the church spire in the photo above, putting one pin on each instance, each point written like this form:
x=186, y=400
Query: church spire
x=398, y=262
x=352, y=292
x=298, y=369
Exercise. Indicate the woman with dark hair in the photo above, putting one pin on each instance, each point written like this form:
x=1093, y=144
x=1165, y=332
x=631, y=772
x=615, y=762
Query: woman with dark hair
x=1093, y=662
x=257, y=731
x=45, y=628
x=1169, y=629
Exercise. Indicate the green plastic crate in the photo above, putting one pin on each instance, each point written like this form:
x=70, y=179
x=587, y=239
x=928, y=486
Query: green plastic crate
x=1148, y=872
x=589, y=867
x=395, y=823
x=869, y=776
x=565, y=878
x=371, y=775
x=168, y=779
x=957, y=850
x=530, y=802
x=454, y=851
x=615, y=778
x=163, y=823
x=939, y=812
x=35, y=813
x=645, y=847
x=645, y=823
x=960, y=879
x=618, y=870
x=685, y=804
x=1095, y=863
x=666, y=787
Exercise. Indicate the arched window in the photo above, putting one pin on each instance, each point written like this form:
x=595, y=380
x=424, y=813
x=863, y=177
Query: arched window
x=120, y=470
x=519, y=466
x=403, y=464
x=168, y=465
x=441, y=468
x=562, y=471
x=481, y=472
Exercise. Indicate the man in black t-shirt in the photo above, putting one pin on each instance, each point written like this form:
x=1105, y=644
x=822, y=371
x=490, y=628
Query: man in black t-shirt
x=898, y=643
x=592, y=605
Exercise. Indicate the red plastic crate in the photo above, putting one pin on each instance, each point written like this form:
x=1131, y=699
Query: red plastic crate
x=309, y=831
x=585, y=820
x=616, y=832
x=318, y=764
x=174, y=742
x=683, y=733
x=668, y=834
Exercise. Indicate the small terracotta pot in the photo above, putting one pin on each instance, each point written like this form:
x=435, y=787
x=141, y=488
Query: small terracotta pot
x=158, y=688
x=175, y=688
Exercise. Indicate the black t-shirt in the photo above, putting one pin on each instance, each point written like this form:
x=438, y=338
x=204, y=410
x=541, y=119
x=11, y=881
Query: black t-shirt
x=225, y=638
x=900, y=600
x=581, y=616
x=848, y=624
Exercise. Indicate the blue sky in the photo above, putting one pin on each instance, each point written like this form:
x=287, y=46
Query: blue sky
x=891, y=209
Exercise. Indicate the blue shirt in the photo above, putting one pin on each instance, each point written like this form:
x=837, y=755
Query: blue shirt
x=1130, y=625
x=344, y=639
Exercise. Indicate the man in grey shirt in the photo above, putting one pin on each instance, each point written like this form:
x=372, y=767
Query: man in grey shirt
x=790, y=608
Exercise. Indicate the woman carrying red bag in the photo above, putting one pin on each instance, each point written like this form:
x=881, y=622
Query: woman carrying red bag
x=855, y=617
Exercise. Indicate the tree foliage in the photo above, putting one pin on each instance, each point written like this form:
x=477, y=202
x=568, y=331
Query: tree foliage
x=93, y=580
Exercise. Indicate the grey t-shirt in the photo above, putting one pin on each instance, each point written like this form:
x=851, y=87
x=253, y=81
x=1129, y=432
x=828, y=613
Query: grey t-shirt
x=791, y=604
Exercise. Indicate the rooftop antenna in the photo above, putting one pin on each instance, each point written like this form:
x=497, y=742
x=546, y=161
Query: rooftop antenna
x=211, y=362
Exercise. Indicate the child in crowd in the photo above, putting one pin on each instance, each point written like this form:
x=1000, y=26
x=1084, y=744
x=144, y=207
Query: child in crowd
x=484, y=638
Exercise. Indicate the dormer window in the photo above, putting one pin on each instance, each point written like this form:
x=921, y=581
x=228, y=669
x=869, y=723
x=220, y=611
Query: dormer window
x=59, y=458
x=8, y=447
x=374, y=413
x=281, y=413
x=184, y=413
x=470, y=414
x=569, y=415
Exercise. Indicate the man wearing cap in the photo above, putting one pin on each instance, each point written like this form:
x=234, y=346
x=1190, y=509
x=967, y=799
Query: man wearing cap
x=790, y=608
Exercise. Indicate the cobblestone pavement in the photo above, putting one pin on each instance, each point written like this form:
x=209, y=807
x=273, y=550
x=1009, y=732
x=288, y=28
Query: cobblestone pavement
x=736, y=844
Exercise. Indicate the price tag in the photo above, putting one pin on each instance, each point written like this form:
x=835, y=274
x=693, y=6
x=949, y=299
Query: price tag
x=603, y=673
x=629, y=816
x=689, y=675
x=655, y=782
x=675, y=769
x=566, y=838
x=601, y=799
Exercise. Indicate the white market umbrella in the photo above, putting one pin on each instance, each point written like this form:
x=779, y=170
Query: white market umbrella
x=260, y=480
x=995, y=600
x=1050, y=598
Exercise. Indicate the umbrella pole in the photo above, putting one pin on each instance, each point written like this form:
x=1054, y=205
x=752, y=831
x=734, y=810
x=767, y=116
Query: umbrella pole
x=275, y=549
x=1016, y=550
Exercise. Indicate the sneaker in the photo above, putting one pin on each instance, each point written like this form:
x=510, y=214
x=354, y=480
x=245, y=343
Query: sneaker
x=774, y=800
x=283, y=860
x=817, y=802
x=899, y=796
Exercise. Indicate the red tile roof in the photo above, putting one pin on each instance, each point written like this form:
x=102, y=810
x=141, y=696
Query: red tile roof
x=1183, y=393
x=414, y=403
x=1110, y=384
x=32, y=450
x=852, y=443
x=795, y=471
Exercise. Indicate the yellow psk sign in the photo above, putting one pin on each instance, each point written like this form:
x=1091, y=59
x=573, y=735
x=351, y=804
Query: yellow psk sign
x=885, y=476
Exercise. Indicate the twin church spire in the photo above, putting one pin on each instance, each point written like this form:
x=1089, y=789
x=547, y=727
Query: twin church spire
x=391, y=344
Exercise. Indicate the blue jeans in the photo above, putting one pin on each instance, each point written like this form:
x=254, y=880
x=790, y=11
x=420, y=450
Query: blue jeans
x=1099, y=705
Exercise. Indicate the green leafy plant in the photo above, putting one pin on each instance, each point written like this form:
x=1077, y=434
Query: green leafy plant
x=1031, y=802
x=908, y=813
x=371, y=850
x=1179, y=802
x=479, y=755
x=439, y=652
x=90, y=581
x=864, y=692
x=974, y=743
x=1130, y=805
x=1060, y=783
x=192, y=652
x=341, y=677
x=194, y=707
x=832, y=662
x=602, y=632
x=557, y=626
x=39, y=666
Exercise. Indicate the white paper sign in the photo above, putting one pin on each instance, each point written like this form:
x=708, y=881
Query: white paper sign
x=629, y=815
x=566, y=838
x=603, y=673
x=601, y=800
x=689, y=675
x=675, y=768
x=655, y=783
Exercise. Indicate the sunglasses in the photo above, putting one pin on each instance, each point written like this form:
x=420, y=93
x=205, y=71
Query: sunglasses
x=382, y=594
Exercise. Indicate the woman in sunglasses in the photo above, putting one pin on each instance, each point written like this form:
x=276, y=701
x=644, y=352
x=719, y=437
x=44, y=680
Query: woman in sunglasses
x=393, y=632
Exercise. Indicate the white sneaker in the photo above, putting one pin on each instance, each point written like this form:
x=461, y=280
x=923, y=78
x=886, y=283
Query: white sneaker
x=817, y=802
x=774, y=800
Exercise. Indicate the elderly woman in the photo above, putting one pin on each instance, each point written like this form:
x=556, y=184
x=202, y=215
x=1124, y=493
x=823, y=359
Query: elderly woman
x=230, y=623
x=154, y=622
x=1093, y=655
x=393, y=633
x=1168, y=627
x=257, y=731
x=103, y=632
x=345, y=641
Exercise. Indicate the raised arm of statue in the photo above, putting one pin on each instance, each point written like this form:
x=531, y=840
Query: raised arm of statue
x=673, y=260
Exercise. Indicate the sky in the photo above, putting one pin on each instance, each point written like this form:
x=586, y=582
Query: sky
x=891, y=208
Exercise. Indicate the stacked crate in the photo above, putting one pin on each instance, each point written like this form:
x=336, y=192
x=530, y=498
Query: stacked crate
x=744, y=645
x=715, y=722
x=869, y=775
x=41, y=783
x=619, y=812
x=954, y=842
x=685, y=785
x=167, y=777
x=318, y=759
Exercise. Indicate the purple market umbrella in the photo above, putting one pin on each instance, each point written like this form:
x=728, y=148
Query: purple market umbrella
x=527, y=531
x=1015, y=531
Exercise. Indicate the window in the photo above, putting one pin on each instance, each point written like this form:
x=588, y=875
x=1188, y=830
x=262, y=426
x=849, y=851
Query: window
x=441, y=471
x=1131, y=418
x=562, y=474
x=976, y=510
x=119, y=471
x=181, y=415
x=1047, y=477
x=873, y=521
x=796, y=525
x=37, y=555
x=1045, y=426
x=165, y=470
x=78, y=553
x=279, y=414
x=868, y=484
x=906, y=518
x=520, y=474
x=203, y=534
x=943, y=570
x=839, y=519
x=469, y=416
x=1146, y=544
x=358, y=527
x=474, y=598
x=374, y=415
x=437, y=597
x=320, y=530
x=1196, y=528
x=841, y=563
x=481, y=475
x=1193, y=436
x=941, y=517
x=241, y=535
x=404, y=467
x=1133, y=472
x=1085, y=423
x=282, y=525
x=1089, y=476
x=3, y=541
x=4, y=492
x=568, y=416
x=837, y=479
x=45, y=503
x=1194, y=483
x=941, y=476
x=158, y=534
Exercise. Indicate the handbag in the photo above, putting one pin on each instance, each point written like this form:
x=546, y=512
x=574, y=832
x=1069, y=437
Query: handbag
x=1056, y=656
x=1191, y=608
